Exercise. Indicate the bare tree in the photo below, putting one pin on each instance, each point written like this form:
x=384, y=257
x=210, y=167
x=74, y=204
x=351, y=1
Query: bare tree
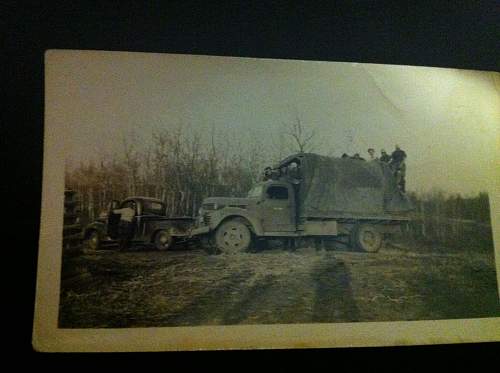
x=132, y=162
x=302, y=139
x=255, y=157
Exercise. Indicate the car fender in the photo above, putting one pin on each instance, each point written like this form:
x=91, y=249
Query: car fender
x=95, y=226
x=177, y=227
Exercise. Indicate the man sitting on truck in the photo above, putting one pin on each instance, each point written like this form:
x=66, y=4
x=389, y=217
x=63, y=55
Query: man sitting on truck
x=384, y=157
x=125, y=227
x=371, y=153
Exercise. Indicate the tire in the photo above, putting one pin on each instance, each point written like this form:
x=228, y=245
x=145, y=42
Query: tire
x=163, y=240
x=367, y=238
x=233, y=236
x=93, y=241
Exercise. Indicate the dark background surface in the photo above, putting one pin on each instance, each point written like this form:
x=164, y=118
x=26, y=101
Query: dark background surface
x=443, y=34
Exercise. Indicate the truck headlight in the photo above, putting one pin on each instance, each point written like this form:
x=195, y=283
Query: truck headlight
x=210, y=206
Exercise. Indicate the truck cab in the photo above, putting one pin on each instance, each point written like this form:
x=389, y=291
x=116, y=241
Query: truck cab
x=275, y=206
x=269, y=208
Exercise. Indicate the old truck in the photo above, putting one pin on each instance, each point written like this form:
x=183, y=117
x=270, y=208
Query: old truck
x=309, y=197
x=151, y=226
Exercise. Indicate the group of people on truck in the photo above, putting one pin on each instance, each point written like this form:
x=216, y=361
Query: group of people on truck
x=396, y=162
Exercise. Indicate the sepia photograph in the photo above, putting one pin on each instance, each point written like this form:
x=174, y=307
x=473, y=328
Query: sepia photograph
x=204, y=202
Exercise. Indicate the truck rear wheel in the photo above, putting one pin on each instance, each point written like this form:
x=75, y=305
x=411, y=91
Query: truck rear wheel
x=163, y=240
x=233, y=236
x=367, y=237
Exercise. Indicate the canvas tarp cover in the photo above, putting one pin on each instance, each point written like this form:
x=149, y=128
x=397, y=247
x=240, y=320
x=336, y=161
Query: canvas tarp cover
x=344, y=187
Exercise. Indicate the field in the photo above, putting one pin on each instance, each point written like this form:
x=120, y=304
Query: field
x=188, y=287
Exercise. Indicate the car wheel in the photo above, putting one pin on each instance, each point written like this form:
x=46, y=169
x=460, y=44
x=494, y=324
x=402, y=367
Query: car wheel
x=163, y=240
x=233, y=236
x=93, y=241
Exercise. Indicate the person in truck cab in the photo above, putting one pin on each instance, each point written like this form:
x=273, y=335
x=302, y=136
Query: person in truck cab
x=293, y=173
x=126, y=227
x=267, y=173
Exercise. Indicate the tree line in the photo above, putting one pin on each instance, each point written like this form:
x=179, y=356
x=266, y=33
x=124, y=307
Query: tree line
x=452, y=219
x=175, y=167
x=181, y=168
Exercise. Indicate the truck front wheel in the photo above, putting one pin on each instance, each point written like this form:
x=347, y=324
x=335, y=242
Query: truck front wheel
x=233, y=236
x=367, y=237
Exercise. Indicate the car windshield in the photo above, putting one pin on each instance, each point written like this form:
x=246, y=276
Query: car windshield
x=255, y=192
x=153, y=208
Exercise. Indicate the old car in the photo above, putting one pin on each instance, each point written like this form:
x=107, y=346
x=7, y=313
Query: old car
x=72, y=228
x=151, y=226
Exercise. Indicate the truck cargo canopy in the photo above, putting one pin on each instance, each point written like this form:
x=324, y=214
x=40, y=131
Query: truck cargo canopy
x=345, y=187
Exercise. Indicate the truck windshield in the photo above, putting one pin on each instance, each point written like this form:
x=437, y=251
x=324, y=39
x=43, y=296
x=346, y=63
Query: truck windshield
x=153, y=208
x=255, y=192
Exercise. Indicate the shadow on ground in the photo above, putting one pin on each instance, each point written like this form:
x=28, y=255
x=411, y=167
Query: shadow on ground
x=334, y=299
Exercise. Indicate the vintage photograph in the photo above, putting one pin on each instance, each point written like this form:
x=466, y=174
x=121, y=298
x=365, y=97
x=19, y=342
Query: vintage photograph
x=218, y=191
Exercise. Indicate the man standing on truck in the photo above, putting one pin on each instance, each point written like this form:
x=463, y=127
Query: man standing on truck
x=398, y=156
x=398, y=166
x=125, y=227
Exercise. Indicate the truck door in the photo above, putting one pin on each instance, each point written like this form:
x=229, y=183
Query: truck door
x=277, y=209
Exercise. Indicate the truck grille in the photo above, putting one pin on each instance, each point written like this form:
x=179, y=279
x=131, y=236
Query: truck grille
x=206, y=218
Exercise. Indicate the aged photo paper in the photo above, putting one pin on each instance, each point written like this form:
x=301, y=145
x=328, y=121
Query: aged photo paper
x=198, y=202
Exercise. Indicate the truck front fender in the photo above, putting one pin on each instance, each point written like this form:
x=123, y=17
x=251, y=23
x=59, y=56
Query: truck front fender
x=219, y=216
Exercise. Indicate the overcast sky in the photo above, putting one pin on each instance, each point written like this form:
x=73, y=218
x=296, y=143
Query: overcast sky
x=445, y=119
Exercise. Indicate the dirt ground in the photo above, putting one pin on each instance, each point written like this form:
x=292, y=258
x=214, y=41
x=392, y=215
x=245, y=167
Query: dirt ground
x=190, y=287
